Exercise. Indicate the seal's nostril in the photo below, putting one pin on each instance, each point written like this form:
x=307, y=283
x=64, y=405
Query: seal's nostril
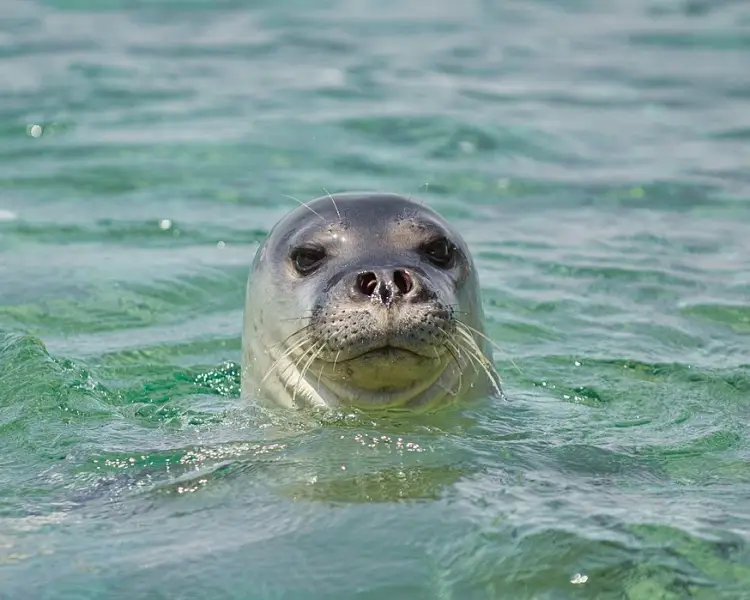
x=403, y=281
x=367, y=283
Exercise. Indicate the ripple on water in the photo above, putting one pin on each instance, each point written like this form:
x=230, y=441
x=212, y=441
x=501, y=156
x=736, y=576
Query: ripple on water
x=595, y=158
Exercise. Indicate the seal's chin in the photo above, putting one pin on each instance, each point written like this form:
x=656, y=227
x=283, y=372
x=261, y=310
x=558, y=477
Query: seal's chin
x=387, y=368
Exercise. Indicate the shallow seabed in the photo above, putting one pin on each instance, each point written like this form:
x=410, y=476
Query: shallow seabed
x=595, y=155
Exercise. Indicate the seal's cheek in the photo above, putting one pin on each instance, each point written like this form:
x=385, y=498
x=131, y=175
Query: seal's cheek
x=307, y=295
x=443, y=286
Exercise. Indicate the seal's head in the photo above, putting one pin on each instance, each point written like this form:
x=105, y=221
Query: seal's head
x=367, y=300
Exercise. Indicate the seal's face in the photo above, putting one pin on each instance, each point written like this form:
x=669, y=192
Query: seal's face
x=369, y=291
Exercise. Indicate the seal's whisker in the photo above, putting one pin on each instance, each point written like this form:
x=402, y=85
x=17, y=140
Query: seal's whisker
x=302, y=357
x=488, y=370
x=457, y=345
x=305, y=205
x=314, y=353
x=334, y=203
x=323, y=366
x=320, y=375
x=335, y=360
x=314, y=358
x=294, y=347
x=471, y=329
x=471, y=345
x=494, y=345
x=472, y=352
x=460, y=375
x=286, y=354
x=290, y=336
x=295, y=367
x=471, y=348
x=309, y=354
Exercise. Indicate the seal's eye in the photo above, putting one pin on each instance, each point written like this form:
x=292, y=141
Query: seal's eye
x=307, y=259
x=440, y=252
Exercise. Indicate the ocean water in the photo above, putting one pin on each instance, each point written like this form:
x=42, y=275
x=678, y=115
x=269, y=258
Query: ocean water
x=596, y=156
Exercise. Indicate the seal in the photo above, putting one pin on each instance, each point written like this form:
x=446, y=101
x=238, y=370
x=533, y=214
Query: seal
x=365, y=300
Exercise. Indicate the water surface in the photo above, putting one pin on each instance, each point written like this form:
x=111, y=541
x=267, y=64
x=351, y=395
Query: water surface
x=594, y=154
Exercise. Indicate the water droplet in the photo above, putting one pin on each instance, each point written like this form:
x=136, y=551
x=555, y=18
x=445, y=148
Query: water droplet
x=221, y=245
x=34, y=131
x=578, y=578
x=165, y=224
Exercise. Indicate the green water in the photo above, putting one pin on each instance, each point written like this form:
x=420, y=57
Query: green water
x=595, y=155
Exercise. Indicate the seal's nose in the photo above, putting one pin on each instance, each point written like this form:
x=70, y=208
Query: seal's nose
x=386, y=286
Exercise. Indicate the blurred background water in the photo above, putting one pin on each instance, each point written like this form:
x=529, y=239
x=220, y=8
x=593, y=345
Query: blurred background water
x=594, y=154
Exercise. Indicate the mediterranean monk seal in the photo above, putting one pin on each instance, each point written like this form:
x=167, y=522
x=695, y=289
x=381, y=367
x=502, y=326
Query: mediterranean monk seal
x=365, y=300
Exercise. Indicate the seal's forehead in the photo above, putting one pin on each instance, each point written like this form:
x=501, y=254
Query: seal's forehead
x=378, y=215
